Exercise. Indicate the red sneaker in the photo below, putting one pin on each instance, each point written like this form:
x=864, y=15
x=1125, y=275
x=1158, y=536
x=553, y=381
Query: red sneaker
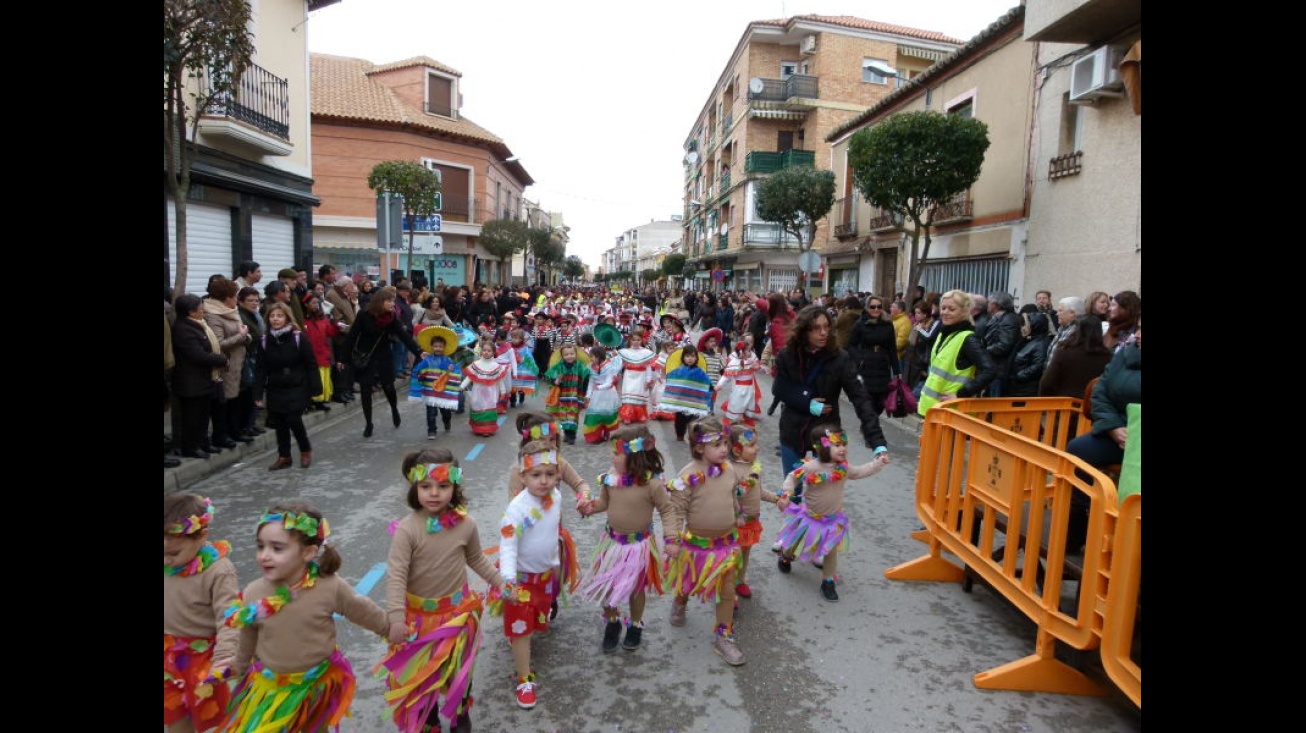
x=743, y=591
x=526, y=695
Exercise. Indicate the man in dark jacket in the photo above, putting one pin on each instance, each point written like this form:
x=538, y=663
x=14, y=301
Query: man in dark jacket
x=810, y=375
x=1001, y=337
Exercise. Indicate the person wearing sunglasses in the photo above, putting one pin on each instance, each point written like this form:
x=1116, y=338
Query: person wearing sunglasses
x=872, y=344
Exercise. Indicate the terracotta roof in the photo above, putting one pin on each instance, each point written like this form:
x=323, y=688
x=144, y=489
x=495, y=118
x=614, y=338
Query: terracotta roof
x=849, y=21
x=344, y=88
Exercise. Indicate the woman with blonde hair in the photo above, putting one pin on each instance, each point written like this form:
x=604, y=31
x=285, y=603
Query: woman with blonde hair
x=959, y=364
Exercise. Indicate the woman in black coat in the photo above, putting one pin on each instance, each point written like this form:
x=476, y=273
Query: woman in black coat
x=873, y=345
x=810, y=375
x=1031, y=355
x=286, y=377
x=196, y=376
x=368, y=347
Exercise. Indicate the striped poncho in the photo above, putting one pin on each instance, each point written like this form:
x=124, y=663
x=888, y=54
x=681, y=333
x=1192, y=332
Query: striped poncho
x=688, y=390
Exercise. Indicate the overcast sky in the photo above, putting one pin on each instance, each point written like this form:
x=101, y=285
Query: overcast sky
x=596, y=97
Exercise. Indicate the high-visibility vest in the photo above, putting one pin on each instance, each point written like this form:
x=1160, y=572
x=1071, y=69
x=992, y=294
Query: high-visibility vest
x=944, y=377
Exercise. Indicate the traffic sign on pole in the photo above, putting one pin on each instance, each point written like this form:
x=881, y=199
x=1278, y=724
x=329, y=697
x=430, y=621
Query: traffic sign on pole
x=439, y=201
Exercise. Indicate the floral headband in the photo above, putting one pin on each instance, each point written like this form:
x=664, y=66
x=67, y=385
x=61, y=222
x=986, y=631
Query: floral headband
x=832, y=438
x=439, y=472
x=193, y=523
x=709, y=437
x=303, y=522
x=746, y=437
x=543, y=458
x=637, y=445
x=537, y=432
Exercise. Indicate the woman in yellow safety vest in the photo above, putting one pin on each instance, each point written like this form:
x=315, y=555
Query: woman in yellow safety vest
x=959, y=364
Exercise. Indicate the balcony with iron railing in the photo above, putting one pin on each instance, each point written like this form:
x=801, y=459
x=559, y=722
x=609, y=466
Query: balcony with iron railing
x=957, y=208
x=883, y=221
x=845, y=217
x=722, y=242
x=764, y=235
x=765, y=161
x=443, y=108
x=457, y=208
x=1069, y=164
x=780, y=90
x=725, y=182
x=260, y=104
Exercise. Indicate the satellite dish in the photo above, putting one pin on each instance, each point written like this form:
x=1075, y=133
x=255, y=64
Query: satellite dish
x=756, y=85
x=691, y=157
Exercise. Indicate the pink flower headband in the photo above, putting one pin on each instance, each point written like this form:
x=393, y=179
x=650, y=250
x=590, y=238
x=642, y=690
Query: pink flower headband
x=193, y=523
x=832, y=438
x=544, y=430
x=439, y=472
x=543, y=458
x=633, y=446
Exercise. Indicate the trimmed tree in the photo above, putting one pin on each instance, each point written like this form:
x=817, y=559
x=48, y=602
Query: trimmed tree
x=796, y=198
x=911, y=163
x=415, y=183
x=673, y=265
x=207, y=46
x=573, y=269
x=504, y=238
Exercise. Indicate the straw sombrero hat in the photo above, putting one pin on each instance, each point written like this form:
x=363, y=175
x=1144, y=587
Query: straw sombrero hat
x=711, y=332
x=444, y=333
x=607, y=335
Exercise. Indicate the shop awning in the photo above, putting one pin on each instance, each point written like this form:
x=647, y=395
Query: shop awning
x=319, y=244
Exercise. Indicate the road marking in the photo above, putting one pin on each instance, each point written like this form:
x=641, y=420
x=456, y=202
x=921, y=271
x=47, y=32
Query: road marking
x=367, y=582
x=502, y=419
x=474, y=452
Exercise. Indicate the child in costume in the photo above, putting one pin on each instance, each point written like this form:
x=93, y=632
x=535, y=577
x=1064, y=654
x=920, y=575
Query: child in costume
x=427, y=592
x=437, y=379
x=817, y=528
x=465, y=354
x=711, y=361
x=688, y=390
x=528, y=372
x=544, y=333
x=298, y=679
x=749, y=495
x=485, y=380
x=638, y=373
x=569, y=377
x=627, y=561
x=199, y=582
x=538, y=426
x=656, y=411
x=507, y=356
x=702, y=539
x=601, y=397
x=528, y=559
x=743, y=394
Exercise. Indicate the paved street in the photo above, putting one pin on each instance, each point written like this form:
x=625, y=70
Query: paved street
x=890, y=656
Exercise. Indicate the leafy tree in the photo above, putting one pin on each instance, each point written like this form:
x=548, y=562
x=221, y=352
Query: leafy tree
x=504, y=238
x=415, y=183
x=207, y=46
x=650, y=275
x=911, y=163
x=673, y=265
x=573, y=269
x=797, y=198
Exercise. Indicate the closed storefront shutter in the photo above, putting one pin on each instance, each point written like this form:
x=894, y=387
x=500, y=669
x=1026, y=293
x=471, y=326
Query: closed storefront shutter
x=782, y=279
x=274, y=242
x=982, y=275
x=208, y=245
x=843, y=282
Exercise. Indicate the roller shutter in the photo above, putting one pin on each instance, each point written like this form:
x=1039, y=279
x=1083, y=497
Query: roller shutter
x=208, y=245
x=274, y=242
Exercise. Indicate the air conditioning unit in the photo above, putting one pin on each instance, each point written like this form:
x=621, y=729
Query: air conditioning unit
x=809, y=45
x=1095, y=75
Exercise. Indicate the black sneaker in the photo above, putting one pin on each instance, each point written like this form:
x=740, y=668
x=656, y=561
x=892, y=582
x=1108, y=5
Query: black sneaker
x=827, y=590
x=553, y=609
x=633, y=635
x=785, y=564
x=611, y=635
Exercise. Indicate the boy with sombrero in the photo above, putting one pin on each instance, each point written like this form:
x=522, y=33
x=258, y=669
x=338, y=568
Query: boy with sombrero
x=437, y=378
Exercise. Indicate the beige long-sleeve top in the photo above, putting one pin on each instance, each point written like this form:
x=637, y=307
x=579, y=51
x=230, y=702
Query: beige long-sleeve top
x=433, y=564
x=303, y=633
x=827, y=496
x=193, y=606
x=630, y=508
x=750, y=503
x=566, y=474
x=706, y=510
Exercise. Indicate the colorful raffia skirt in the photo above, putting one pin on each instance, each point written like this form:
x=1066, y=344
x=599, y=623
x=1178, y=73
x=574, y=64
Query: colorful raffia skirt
x=806, y=536
x=633, y=413
x=439, y=659
x=623, y=565
x=704, y=567
x=751, y=533
x=316, y=699
x=187, y=691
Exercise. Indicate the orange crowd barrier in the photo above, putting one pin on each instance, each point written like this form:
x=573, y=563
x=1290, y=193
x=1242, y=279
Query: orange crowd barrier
x=994, y=488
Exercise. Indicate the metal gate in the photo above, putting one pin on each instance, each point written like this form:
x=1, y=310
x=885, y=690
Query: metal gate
x=981, y=275
x=781, y=279
x=208, y=245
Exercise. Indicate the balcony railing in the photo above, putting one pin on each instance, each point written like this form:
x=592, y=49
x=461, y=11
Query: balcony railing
x=261, y=100
x=767, y=235
x=725, y=182
x=778, y=90
x=457, y=208
x=958, y=208
x=845, y=217
x=882, y=220
x=764, y=161
x=1066, y=165
x=722, y=242
x=444, y=109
